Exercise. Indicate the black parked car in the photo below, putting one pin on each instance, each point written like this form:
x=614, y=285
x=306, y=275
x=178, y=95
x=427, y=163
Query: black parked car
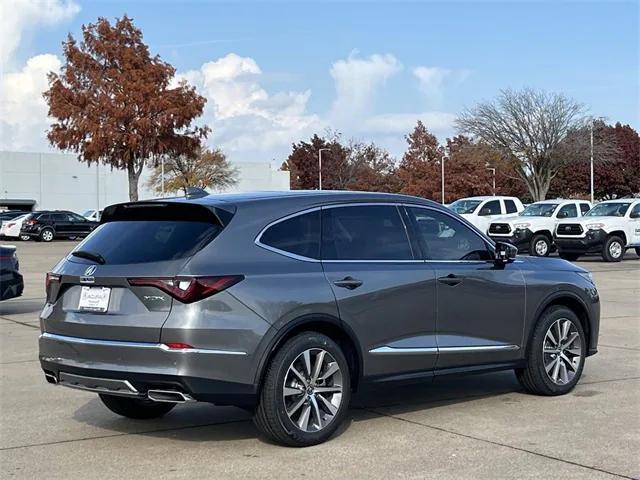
x=11, y=283
x=47, y=225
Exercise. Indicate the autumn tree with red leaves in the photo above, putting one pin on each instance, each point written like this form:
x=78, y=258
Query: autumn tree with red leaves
x=115, y=104
x=419, y=169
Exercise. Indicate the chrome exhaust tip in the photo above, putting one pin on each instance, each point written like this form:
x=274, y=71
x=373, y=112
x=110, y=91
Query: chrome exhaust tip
x=170, y=396
x=51, y=378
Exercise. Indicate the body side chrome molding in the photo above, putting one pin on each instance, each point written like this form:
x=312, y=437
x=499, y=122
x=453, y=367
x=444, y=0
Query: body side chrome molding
x=386, y=350
x=126, y=344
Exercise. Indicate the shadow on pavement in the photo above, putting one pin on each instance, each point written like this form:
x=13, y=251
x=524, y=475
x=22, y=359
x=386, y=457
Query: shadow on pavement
x=20, y=306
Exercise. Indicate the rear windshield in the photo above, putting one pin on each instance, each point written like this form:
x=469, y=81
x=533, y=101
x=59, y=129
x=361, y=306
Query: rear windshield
x=145, y=241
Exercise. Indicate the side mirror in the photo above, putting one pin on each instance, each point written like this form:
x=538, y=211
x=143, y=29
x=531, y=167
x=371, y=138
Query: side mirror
x=634, y=215
x=505, y=253
x=562, y=215
x=485, y=212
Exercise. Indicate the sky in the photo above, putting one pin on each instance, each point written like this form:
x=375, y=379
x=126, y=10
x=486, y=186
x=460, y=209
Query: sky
x=274, y=73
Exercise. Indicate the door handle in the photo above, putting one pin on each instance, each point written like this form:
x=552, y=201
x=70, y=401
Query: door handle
x=451, y=280
x=349, y=283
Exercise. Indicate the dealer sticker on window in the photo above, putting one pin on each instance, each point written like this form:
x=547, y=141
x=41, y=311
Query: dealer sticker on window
x=94, y=299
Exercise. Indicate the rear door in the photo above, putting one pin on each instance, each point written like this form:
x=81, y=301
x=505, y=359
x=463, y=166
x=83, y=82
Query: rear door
x=61, y=224
x=92, y=297
x=384, y=292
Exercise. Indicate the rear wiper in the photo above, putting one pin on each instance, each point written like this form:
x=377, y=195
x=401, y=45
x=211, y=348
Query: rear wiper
x=96, y=257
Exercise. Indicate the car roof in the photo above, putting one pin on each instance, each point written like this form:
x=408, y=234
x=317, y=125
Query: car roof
x=488, y=197
x=618, y=200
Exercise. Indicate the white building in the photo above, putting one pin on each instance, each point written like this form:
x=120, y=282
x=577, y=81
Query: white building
x=46, y=181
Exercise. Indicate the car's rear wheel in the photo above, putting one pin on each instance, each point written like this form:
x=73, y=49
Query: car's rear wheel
x=306, y=391
x=138, y=408
x=613, y=249
x=540, y=246
x=571, y=257
x=46, y=235
x=555, y=355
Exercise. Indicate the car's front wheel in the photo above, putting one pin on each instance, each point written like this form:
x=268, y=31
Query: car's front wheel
x=25, y=238
x=555, y=355
x=306, y=391
x=613, y=249
x=139, y=408
x=540, y=246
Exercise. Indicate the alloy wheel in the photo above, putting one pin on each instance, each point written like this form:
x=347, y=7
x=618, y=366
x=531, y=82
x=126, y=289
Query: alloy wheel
x=615, y=249
x=47, y=235
x=312, y=390
x=541, y=248
x=562, y=351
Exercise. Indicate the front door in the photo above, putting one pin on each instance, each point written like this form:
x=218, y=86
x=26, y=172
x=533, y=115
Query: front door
x=480, y=306
x=634, y=220
x=385, y=293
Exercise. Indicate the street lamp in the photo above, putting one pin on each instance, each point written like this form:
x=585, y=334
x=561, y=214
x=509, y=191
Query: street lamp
x=493, y=171
x=591, y=123
x=320, y=166
x=162, y=174
x=442, y=177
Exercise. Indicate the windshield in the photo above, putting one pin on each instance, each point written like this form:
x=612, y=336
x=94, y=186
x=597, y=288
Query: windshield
x=465, y=206
x=613, y=209
x=88, y=213
x=539, y=210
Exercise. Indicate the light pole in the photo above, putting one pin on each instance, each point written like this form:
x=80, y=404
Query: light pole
x=162, y=174
x=442, y=177
x=591, y=166
x=493, y=171
x=320, y=166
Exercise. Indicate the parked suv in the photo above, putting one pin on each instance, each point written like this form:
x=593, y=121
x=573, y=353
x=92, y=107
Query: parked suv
x=285, y=303
x=532, y=230
x=610, y=229
x=46, y=225
x=481, y=211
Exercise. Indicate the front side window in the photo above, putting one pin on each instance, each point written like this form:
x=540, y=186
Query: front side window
x=510, y=206
x=299, y=235
x=364, y=232
x=445, y=238
x=490, y=208
x=584, y=208
x=611, y=209
x=539, y=210
x=568, y=211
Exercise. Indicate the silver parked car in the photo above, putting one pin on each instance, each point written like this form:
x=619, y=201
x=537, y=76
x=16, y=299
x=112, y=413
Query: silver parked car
x=286, y=303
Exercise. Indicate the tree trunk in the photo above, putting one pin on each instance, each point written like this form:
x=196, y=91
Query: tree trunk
x=134, y=175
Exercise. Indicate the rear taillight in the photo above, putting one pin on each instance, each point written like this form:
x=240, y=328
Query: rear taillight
x=31, y=222
x=189, y=289
x=50, y=279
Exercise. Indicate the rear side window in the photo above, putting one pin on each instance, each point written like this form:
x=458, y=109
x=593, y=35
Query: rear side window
x=365, y=232
x=122, y=242
x=299, y=235
x=510, y=206
x=60, y=217
x=490, y=208
x=45, y=217
x=584, y=208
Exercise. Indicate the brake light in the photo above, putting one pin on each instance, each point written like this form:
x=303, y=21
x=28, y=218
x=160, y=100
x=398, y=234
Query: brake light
x=50, y=279
x=33, y=221
x=189, y=289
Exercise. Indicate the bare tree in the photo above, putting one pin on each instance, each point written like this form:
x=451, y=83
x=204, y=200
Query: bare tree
x=528, y=127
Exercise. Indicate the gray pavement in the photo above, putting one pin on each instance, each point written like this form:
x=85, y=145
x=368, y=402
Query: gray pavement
x=481, y=426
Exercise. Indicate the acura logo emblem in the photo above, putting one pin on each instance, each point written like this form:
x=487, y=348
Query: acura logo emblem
x=90, y=270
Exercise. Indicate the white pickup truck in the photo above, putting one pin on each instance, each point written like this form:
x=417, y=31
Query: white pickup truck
x=481, y=211
x=532, y=230
x=610, y=229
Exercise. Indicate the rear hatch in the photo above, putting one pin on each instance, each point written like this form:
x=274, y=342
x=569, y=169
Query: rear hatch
x=93, y=292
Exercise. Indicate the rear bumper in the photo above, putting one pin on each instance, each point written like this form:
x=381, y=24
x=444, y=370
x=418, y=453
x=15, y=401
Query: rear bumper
x=520, y=239
x=201, y=374
x=11, y=284
x=591, y=243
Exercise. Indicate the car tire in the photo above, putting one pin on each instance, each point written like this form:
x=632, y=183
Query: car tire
x=571, y=257
x=613, y=249
x=638, y=251
x=313, y=413
x=552, y=368
x=138, y=408
x=25, y=238
x=540, y=246
x=46, y=235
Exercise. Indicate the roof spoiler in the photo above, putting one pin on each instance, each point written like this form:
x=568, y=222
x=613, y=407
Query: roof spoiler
x=157, y=210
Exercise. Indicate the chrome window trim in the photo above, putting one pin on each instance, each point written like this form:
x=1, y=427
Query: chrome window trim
x=127, y=344
x=387, y=350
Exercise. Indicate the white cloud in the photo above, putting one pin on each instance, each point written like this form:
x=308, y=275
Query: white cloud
x=403, y=123
x=432, y=82
x=247, y=121
x=23, y=110
x=23, y=15
x=357, y=81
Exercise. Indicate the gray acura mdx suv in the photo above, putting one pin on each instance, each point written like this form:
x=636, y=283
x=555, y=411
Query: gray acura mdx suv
x=286, y=303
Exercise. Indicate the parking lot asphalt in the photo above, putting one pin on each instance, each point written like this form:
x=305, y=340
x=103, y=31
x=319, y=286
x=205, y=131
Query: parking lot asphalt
x=481, y=426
